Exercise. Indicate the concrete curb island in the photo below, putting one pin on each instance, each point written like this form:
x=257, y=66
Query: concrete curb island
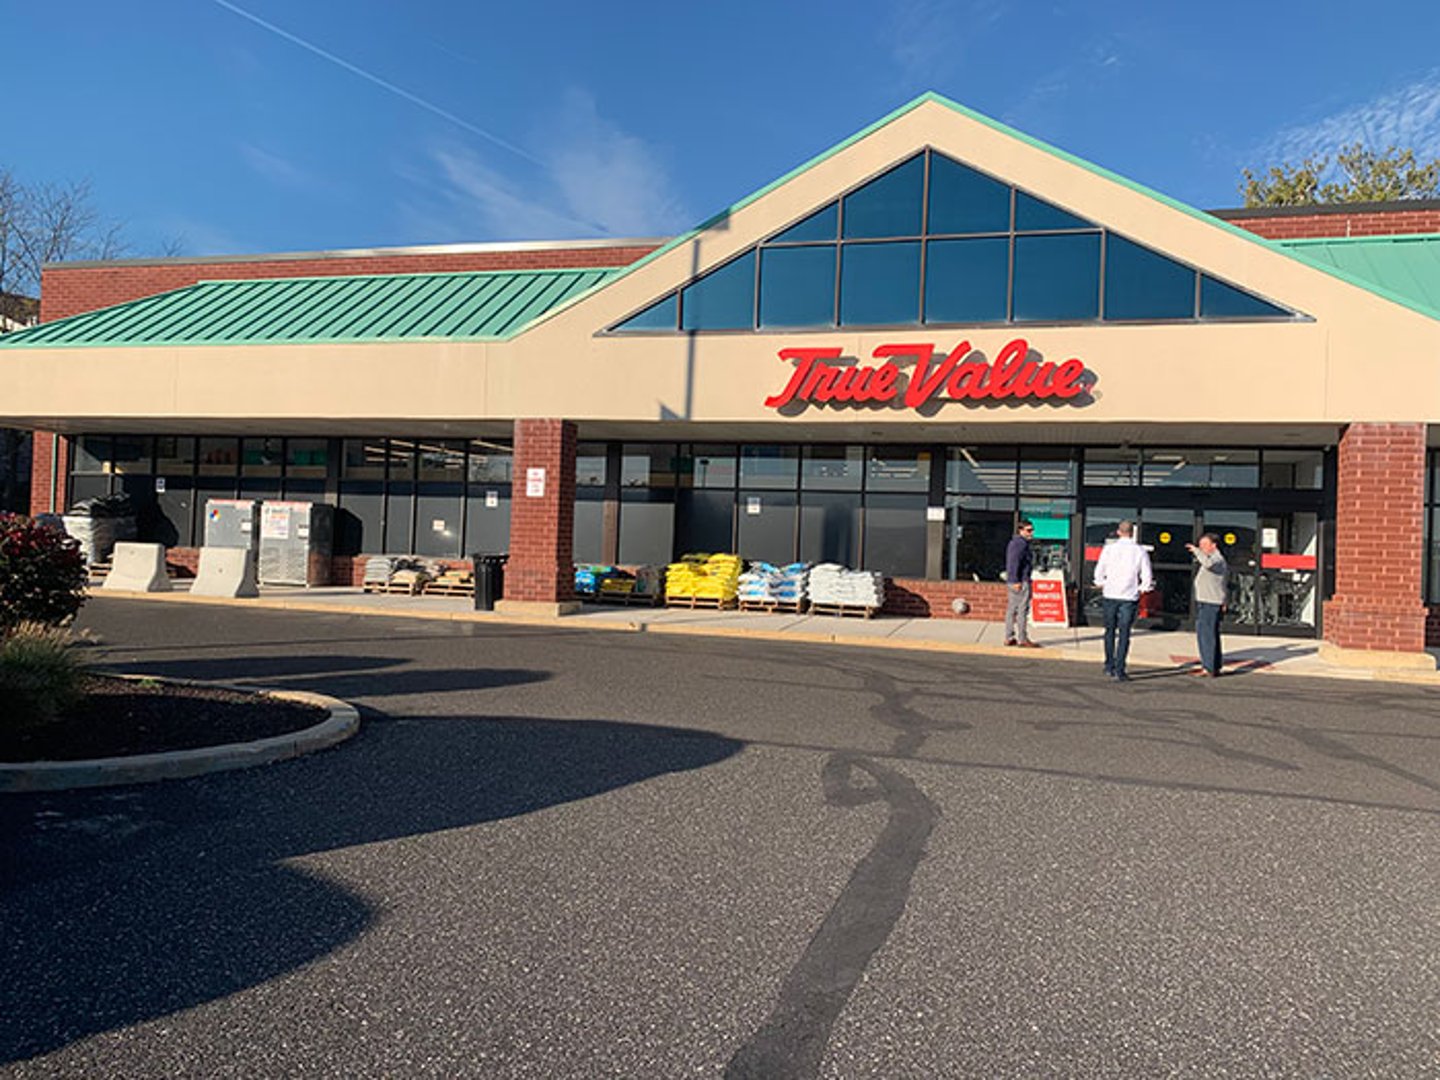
x=894, y=634
x=342, y=723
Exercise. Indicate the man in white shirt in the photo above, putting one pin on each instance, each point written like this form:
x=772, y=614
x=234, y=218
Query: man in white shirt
x=1123, y=572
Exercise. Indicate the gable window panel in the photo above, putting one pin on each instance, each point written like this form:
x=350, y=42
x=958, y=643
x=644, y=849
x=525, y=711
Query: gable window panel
x=1221, y=301
x=967, y=280
x=880, y=284
x=1057, y=278
x=1143, y=284
x=724, y=299
x=822, y=225
x=660, y=315
x=965, y=201
x=1037, y=215
x=797, y=286
x=888, y=206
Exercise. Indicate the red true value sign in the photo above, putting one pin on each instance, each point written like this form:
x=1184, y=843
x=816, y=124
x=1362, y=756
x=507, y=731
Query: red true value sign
x=1013, y=376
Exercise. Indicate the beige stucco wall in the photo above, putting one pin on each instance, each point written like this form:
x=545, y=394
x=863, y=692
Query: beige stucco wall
x=1358, y=358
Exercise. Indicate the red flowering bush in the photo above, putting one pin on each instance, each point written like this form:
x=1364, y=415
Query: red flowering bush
x=42, y=573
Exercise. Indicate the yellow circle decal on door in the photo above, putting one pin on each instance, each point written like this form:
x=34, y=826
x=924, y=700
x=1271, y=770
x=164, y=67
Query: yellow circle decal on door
x=1229, y=538
x=1164, y=538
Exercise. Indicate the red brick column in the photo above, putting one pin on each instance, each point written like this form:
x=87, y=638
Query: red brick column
x=542, y=528
x=45, y=471
x=1378, y=540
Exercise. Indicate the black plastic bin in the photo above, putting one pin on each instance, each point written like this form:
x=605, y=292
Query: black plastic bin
x=489, y=580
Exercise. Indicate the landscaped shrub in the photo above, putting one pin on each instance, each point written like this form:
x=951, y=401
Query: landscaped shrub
x=42, y=573
x=40, y=674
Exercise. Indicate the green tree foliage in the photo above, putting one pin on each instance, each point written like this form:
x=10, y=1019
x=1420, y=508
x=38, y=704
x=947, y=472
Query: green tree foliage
x=1358, y=175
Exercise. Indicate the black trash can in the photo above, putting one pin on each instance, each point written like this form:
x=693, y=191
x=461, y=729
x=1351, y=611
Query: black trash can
x=489, y=580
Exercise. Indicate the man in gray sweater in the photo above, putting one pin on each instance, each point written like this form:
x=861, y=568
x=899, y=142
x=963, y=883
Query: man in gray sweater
x=1211, y=578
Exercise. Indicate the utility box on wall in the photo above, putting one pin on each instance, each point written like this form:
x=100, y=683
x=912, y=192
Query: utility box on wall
x=232, y=523
x=296, y=541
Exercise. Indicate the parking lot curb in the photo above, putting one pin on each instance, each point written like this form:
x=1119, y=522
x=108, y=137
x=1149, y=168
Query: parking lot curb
x=341, y=724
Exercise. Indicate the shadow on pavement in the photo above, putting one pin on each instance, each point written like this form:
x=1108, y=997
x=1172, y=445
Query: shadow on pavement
x=124, y=905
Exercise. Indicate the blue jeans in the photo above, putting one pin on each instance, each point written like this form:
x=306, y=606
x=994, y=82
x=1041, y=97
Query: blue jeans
x=1207, y=634
x=1119, y=617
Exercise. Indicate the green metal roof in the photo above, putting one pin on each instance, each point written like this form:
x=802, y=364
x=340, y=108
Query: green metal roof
x=478, y=306
x=1407, y=266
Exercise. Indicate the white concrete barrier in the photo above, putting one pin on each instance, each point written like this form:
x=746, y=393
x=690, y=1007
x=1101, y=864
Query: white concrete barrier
x=225, y=572
x=138, y=568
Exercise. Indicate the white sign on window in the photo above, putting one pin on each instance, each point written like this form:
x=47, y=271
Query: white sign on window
x=492, y=500
x=159, y=485
x=535, y=483
x=752, y=504
x=437, y=524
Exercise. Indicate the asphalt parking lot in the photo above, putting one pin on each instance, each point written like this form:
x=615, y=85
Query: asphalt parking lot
x=557, y=853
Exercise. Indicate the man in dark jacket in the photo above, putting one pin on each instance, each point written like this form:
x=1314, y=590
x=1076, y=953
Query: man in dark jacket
x=1019, y=562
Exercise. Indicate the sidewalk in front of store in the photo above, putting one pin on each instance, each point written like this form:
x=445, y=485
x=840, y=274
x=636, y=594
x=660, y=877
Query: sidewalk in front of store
x=1150, y=649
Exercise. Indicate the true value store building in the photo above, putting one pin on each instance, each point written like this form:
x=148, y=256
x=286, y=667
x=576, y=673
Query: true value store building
x=881, y=359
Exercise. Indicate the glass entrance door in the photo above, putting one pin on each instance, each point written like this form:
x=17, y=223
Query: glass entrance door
x=1165, y=532
x=1289, y=573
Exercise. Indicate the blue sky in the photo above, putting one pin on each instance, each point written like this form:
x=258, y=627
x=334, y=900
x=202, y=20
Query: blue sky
x=352, y=123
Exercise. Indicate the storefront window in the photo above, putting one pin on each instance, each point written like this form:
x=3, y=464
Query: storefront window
x=1112, y=468
x=1057, y=278
x=261, y=461
x=306, y=464
x=1431, y=526
x=833, y=468
x=709, y=465
x=175, y=506
x=895, y=534
x=981, y=470
x=648, y=465
x=132, y=454
x=1292, y=470
x=880, y=284
x=488, y=469
x=92, y=454
x=590, y=464
x=830, y=527
x=797, y=286
x=977, y=530
x=1202, y=468
x=1047, y=472
x=767, y=525
x=359, y=524
x=898, y=468
x=965, y=201
x=723, y=299
x=769, y=466
x=399, y=496
x=1143, y=284
x=439, y=495
x=888, y=206
x=967, y=281
x=704, y=521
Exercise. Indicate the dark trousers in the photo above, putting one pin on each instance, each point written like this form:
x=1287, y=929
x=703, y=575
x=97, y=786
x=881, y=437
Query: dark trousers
x=1207, y=634
x=1119, y=617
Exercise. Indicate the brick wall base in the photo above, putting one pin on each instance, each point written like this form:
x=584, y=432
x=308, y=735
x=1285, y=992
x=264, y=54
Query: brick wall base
x=921, y=598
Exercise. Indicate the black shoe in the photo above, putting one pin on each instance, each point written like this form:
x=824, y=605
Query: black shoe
x=1109, y=673
x=1120, y=676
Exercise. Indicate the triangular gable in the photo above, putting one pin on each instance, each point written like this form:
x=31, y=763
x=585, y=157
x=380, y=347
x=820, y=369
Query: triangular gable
x=1240, y=276
x=935, y=241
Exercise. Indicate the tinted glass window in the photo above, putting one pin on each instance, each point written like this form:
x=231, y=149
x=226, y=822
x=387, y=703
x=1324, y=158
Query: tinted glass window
x=723, y=299
x=977, y=530
x=880, y=283
x=709, y=466
x=1112, y=468
x=590, y=462
x=898, y=468
x=797, y=286
x=981, y=470
x=766, y=524
x=1202, y=468
x=895, y=534
x=965, y=201
x=769, y=466
x=824, y=224
x=830, y=527
x=888, y=205
x=1221, y=301
x=1047, y=472
x=1037, y=215
x=1143, y=284
x=647, y=465
x=1057, y=278
x=658, y=316
x=647, y=525
x=966, y=280
x=836, y=468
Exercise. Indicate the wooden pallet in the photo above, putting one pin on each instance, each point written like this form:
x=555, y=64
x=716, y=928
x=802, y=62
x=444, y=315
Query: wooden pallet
x=775, y=607
x=711, y=603
x=640, y=599
x=844, y=611
x=393, y=588
x=448, y=588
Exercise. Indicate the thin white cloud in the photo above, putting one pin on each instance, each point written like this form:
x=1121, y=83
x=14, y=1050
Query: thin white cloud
x=1407, y=117
x=595, y=180
x=929, y=40
x=279, y=170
